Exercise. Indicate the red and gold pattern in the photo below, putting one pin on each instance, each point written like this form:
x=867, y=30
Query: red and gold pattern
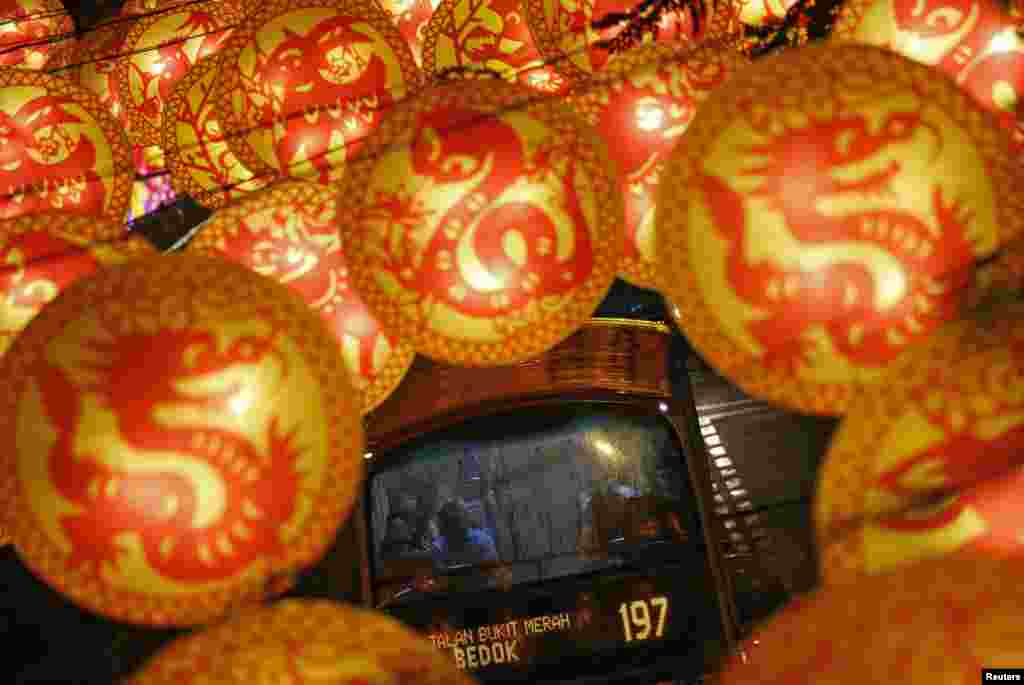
x=562, y=30
x=180, y=438
x=930, y=462
x=161, y=48
x=490, y=34
x=483, y=223
x=825, y=213
x=42, y=254
x=763, y=12
x=303, y=642
x=641, y=105
x=37, y=26
x=59, y=149
x=199, y=158
x=289, y=232
x=975, y=42
x=411, y=18
x=307, y=80
x=930, y=624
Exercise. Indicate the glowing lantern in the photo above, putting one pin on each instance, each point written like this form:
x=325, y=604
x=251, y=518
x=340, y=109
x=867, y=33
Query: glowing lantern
x=305, y=81
x=973, y=41
x=764, y=12
x=42, y=254
x=303, y=641
x=200, y=161
x=824, y=213
x=30, y=30
x=161, y=48
x=59, y=149
x=289, y=232
x=930, y=624
x=562, y=30
x=641, y=104
x=180, y=437
x=929, y=463
x=411, y=18
x=482, y=223
x=492, y=34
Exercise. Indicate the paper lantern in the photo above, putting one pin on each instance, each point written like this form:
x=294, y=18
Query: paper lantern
x=563, y=32
x=31, y=30
x=44, y=253
x=482, y=223
x=934, y=624
x=975, y=42
x=303, y=642
x=90, y=63
x=199, y=159
x=179, y=437
x=764, y=12
x=59, y=149
x=161, y=47
x=305, y=81
x=492, y=35
x=641, y=105
x=824, y=214
x=411, y=18
x=928, y=463
x=289, y=232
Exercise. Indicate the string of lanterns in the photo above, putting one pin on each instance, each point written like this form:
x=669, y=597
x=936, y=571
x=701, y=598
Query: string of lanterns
x=184, y=432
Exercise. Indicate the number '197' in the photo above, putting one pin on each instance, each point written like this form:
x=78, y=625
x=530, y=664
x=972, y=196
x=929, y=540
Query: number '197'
x=636, y=617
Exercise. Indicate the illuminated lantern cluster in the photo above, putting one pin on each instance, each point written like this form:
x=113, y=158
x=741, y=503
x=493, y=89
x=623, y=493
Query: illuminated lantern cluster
x=290, y=233
x=31, y=30
x=481, y=254
x=303, y=82
x=824, y=214
x=199, y=157
x=931, y=465
x=641, y=104
x=931, y=623
x=60, y=149
x=975, y=42
x=491, y=35
x=302, y=642
x=179, y=438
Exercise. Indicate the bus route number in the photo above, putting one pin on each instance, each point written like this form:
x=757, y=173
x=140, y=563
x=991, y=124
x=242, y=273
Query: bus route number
x=644, y=619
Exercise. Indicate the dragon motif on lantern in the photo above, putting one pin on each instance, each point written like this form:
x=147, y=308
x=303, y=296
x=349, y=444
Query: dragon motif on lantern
x=144, y=469
x=869, y=273
x=486, y=231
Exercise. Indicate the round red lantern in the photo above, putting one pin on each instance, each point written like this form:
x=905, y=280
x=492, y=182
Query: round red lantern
x=641, y=104
x=929, y=462
x=482, y=223
x=975, y=42
x=936, y=623
x=161, y=47
x=179, y=438
x=303, y=642
x=289, y=232
x=59, y=149
x=305, y=81
x=411, y=18
x=31, y=30
x=824, y=213
x=564, y=34
x=492, y=35
x=198, y=156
